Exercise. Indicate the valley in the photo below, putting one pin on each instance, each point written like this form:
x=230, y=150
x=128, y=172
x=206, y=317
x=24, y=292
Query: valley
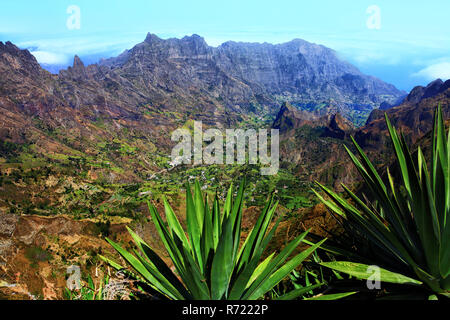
x=83, y=151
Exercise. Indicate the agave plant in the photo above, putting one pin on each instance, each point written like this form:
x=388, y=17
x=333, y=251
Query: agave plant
x=408, y=220
x=209, y=260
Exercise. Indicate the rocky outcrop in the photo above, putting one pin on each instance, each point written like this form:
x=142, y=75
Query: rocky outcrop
x=338, y=127
x=313, y=145
x=414, y=117
x=434, y=88
x=290, y=118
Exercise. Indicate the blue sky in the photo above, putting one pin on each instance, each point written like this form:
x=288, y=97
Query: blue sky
x=408, y=45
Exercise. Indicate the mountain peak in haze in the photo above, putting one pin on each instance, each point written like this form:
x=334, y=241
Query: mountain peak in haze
x=151, y=37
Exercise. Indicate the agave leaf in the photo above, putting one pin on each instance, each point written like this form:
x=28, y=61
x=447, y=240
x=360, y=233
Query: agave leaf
x=294, y=294
x=334, y=296
x=228, y=203
x=174, y=224
x=167, y=240
x=111, y=262
x=195, y=280
x=159, y=265
x=379, y=190
x=362, y=271
x=194, y=229
x=236, y=218
x=198, y=201
x=372, y=226
x=244, y=279
x=261, y=267
x=207, y=240
x=222, y=265
x=255, y=237
x=169, y=289
x=137, y=265
x=217, y=222
x=274, y=277
x=335, y=250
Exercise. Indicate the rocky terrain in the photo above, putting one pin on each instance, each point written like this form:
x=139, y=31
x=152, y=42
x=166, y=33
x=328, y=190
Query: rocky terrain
x=314, y=144
x=248, y=76
x=414, y=116
x=83, y=150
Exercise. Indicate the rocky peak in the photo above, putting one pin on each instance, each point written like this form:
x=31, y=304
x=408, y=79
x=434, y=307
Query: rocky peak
x=290, y=118
x=195, y=38
x=432, y=89
x=385, y=106
x=338, y=122
x=375, y=115
x=77, y=71
x=416, y=94
x=336, y=126
x=302, y=73
x=8, y=47
x=78, y=64
x=13, y=58
x=152, y=38
x=196, y=45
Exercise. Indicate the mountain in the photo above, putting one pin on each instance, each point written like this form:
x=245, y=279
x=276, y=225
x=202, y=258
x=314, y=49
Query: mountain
x=314, y=145
x=414, y=116
x=90, y=145
x=311, y=145
x=111, y=122
x=188, y=76
x=245, y=76
x=142, y=95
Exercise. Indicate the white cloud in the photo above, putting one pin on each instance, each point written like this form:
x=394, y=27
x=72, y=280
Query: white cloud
x=46, y=57
x=435, y=71
x=60, y=51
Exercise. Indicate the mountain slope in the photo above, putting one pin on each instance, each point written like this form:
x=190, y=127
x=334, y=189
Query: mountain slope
x=414, y=116
x=244, y=76
x=111, y=123
x=312, y=146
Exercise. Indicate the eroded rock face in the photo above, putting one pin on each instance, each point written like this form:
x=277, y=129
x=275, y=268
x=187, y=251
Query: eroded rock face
x=338, y=127
x=8, y=225
x=156, y=87
x=290, y=118
x=432, y=89
x=314, y=145
x=414, y=117
x=187, y=73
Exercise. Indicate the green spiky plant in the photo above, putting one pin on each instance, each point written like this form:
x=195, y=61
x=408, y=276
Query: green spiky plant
x=209, y=261
x=314, y=276
x=408, y=220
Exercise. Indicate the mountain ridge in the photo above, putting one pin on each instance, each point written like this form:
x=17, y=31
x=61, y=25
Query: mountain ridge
x=302, y=73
